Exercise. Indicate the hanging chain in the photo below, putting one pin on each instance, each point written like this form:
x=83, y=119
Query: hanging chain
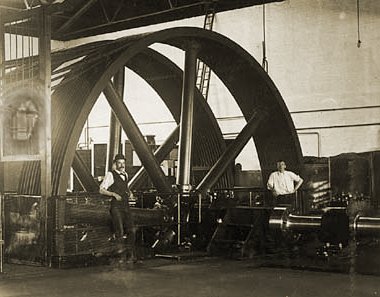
x=358, y=18
x=265, y=61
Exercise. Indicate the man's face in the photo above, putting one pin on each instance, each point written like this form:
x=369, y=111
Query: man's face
x=281, y=166
x=120, y=165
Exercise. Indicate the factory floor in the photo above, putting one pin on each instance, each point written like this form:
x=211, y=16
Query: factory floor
x=166, y=278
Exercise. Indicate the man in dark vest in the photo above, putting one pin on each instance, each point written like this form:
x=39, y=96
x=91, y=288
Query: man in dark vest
x=115, y=185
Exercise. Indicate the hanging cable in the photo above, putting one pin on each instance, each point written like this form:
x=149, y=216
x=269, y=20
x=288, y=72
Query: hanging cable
x=33, y=25
x=358, y=18
x=265, y=61
x=30, y=64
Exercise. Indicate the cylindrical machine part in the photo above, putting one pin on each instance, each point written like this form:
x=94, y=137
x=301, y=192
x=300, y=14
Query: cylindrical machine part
x=277, y=218
x=98, y=215
x=333, y=223
x=280, y=219
x=366, y=226
x=303, y=223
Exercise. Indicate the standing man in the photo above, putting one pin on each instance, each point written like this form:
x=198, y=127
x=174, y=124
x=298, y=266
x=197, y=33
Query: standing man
x=284, y=184
x=115, y=185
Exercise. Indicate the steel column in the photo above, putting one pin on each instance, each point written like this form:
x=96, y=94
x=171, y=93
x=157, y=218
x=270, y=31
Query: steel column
x=44, y=51
x=374, y=196
x=2, y=57
x=2, y=178
x=159, y=154
x=134, y=135
x=45, y=78
x=232, y=151
x=187, y=116
x=2, y=85
x=114, y=143
x=2, y=81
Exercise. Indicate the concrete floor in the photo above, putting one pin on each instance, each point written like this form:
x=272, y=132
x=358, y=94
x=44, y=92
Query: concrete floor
x=206, y=278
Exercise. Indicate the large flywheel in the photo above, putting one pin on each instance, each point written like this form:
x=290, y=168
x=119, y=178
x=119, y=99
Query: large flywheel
x=81, y=74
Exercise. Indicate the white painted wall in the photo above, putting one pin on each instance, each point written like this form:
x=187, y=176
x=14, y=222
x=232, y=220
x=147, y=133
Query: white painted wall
x=313, y=60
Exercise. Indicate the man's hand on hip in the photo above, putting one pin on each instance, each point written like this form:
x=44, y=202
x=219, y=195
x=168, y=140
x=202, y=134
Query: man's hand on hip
x=117, y=196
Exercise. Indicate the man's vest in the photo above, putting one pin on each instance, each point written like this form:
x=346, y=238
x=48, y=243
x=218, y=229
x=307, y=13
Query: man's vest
x=120, y=187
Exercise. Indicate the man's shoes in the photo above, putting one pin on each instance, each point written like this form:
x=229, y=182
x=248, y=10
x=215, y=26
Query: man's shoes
x=131, y=262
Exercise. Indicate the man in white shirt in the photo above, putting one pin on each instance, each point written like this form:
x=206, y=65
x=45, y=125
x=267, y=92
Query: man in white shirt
x=284, y=184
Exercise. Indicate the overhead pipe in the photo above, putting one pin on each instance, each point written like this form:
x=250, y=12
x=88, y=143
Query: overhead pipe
x=335, y=109
x=114, y=142
x=159, y=155
x=134, y=135
x=232, y=151
x=187, y=116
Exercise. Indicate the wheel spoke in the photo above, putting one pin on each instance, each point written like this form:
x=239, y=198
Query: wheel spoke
x=159, y=154
x=114, y=142
x=232, y=151
x=135, y=136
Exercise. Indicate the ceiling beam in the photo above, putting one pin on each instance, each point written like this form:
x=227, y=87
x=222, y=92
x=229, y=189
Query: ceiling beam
x=76, y=16
x=125, y=21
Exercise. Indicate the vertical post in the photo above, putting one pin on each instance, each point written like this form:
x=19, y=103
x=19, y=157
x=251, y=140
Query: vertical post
x=1, y=233
x=45, y=79
x=114, y=142
x=329, y=173
x=2, y=85
x=2, y=57
x=178, y=219
x=199, y=208
x=372, y=190
x=187, y=116
x=2, y=179
x=297, y=204
x=186, y=127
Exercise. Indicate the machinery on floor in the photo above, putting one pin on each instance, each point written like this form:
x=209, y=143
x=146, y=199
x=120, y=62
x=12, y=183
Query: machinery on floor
x=200, y=209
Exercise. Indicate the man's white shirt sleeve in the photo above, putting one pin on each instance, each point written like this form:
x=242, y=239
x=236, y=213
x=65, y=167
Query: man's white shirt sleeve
x=107, y=181
x=294, y=176
x=270, y=183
